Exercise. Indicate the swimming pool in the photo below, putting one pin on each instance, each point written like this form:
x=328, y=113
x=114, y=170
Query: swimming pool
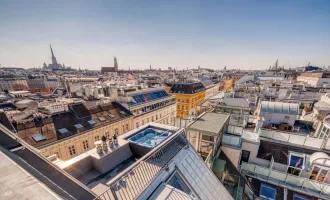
x=149, y=137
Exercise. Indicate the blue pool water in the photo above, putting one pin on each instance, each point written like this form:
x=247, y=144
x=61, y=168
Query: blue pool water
x=149, y=137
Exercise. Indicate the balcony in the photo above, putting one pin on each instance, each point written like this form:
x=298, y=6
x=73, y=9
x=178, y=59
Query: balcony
x=282, y=179
x=288, y=137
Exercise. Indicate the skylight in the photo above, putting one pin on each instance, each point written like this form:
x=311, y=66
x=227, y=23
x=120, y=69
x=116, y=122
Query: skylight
x=63, y=130
x=38, y=137
x=122, y=112
x=78, y=126
x=91, y=122
x=102, y=119
x=111, y=116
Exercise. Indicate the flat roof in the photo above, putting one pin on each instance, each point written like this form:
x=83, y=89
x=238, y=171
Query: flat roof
x=209, y=122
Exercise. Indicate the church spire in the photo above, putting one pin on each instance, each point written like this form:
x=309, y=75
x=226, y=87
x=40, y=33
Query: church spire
x=115, y=64
x=54, y=61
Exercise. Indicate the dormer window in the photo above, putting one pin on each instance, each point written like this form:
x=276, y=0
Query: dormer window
x=78, y=126
x=39, y=138
x=63, y=131
x=91, y=122
x=111, y=116
x=102, y=119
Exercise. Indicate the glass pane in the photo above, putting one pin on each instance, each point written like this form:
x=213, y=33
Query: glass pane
x=314, y=173
x=296, y=161
x=267, y=192
x=322, y=175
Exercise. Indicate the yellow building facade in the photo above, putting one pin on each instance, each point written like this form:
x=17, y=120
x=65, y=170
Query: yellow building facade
x=188, y=96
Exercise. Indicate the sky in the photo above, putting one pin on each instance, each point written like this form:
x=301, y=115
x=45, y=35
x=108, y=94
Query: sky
x=240, y=34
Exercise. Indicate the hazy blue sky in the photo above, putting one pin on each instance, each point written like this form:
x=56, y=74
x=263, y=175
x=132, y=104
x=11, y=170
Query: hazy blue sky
x=238, y=34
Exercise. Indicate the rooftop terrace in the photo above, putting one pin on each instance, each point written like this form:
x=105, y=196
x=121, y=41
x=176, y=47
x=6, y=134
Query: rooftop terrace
x=131, y=170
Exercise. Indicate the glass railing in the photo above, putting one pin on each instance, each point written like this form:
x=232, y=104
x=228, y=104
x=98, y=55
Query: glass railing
x=291, y=138
x=209, y=160
x=282, y=178
x=231, y=140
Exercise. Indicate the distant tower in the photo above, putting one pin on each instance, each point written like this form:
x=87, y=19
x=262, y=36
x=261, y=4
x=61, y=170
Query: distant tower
x=54, y=61
x=225, y=68
x=115, y=64
x=150, y=66
x=276, y=65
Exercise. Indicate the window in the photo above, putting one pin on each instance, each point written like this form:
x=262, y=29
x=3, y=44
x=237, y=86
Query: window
x=152, y=118
x=296, y=163
x=320, y=174
x=142, y=122
x=208, y=138
x=85, y=145
x=178, y=106
x=186, y=107
x=299, y=197
x=97, y=138
x=178, y=100
x=156, y=117
x=72, y=150
x=123, y=129
x=182, y=107
x=324, y=132
x=127, y=127
x=147, y=120
x=116, y=131
x=137, y=125
x=267, y=192
x=160, y=115
x=245, y=156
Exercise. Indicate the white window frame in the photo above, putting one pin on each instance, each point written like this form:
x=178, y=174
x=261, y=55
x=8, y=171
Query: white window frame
x=318, y=174
x=303, y=156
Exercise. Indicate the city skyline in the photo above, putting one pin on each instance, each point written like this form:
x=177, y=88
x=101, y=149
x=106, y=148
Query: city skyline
x=166, y=34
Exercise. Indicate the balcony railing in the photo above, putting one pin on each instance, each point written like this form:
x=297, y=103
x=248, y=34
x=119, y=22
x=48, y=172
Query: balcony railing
x=209, y=160
x=131, y=183
x=283, y=179
x=292, y=138
x=233, y=141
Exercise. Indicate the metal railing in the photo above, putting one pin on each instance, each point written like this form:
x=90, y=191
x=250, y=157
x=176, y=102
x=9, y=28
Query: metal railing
x=131, y=183
x=282, y=178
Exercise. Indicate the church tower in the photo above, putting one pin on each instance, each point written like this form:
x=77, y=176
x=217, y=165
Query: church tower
x=115, y=64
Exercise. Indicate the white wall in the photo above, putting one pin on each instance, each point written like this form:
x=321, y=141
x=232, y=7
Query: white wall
x=234, y=155
x=277, y=118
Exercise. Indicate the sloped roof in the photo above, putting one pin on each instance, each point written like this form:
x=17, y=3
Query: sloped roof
x=108, y=69
x=187, y=88
x=239, y=102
